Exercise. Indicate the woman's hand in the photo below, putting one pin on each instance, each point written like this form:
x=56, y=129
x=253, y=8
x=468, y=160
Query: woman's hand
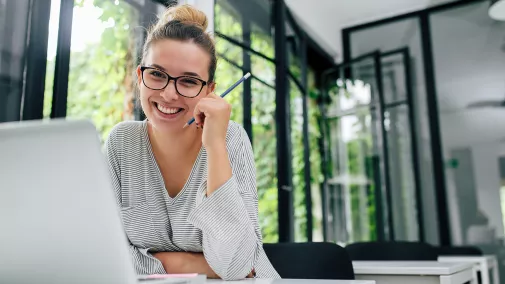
x=212, y=114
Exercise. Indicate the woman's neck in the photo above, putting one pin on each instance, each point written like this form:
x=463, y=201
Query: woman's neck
x=173, y=145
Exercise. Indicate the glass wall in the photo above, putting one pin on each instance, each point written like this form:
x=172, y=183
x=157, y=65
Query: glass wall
x=469, y=63
x=244, y=38
x=404, y=33
x=229, y=21
x=457, y=63
x=102, y=80
x=401, y=156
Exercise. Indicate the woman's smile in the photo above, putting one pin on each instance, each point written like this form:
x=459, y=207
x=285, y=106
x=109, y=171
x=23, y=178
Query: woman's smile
x=169, y=112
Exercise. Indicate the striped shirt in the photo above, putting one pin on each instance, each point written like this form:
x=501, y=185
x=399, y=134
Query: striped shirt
x=224, y=226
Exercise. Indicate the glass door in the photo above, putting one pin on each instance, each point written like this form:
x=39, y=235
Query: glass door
x=403, y=157
x=372, y=179
x=356, y=181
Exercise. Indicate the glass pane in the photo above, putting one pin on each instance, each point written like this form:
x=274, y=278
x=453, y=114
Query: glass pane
x=229, y=23
x=263, y=69
x=298, y=163
x=387, y=37
x=352, y=185
x=265, y=153
x=52, y=43
x=402, y=174
x=102, y=64
x=401, y=162
x=227, y=20
x=239, y=19
x=227, y=75
x=317, y=177
x=293, y=48
x=229, y=52
x=352, y=95
x=393, y=74
x=262, y=41
x=354, y=153
x=469, y=61
x=13, y=15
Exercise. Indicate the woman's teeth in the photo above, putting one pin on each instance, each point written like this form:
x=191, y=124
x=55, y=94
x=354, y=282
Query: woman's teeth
x=167, y=110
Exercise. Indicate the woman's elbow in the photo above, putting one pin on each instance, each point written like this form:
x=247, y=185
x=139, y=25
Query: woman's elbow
x=238, y=276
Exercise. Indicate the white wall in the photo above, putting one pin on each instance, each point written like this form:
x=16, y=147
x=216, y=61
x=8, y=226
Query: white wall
x=488, y=182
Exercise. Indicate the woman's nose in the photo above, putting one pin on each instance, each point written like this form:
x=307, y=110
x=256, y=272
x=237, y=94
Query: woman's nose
x=170, y=92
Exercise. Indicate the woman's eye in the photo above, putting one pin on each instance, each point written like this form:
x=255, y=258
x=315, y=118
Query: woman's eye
x=158, y=74
x=189, y=81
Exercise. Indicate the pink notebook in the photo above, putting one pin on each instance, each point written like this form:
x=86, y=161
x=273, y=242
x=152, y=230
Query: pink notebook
x=162, y=276
x=192, y=278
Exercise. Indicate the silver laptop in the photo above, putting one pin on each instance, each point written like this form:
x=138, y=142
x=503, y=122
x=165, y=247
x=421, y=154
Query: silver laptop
x=59, y=222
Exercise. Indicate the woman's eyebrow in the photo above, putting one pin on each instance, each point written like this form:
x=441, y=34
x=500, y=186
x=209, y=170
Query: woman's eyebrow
x=192, y=74
x=187, y=73
x=158, y=66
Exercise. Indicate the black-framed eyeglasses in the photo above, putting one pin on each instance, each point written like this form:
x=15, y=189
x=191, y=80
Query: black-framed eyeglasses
x=186, y=86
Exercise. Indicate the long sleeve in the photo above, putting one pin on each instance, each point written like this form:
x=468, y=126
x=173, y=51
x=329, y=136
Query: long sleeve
x=228, y=218
x=143, y=261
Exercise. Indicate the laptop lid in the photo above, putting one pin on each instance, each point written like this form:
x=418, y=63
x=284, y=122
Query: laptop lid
x=59, y=222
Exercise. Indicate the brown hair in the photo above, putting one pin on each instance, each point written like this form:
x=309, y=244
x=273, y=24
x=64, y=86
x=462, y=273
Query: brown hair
x=184, y=23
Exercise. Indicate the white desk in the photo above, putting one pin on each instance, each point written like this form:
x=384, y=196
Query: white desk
x=484, y=264
x=413, y=272
x=293, y=281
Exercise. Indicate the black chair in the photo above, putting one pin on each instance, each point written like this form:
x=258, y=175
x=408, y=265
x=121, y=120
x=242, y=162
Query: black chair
x=401, y=251
x=310, y=260
x=459, y=250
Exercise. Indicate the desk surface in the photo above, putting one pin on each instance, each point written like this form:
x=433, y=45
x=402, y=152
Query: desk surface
x=293, y=281
x=459, y=258
x=409, y=267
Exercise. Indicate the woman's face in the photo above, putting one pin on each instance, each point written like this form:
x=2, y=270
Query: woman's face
x=166, y=109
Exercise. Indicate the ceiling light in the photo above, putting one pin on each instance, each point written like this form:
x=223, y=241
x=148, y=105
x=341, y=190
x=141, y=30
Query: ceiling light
x=497, y=10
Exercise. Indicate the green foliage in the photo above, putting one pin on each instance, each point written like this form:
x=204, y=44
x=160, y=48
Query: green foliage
x=263, y=110
x=101, y=83
x=228, y=22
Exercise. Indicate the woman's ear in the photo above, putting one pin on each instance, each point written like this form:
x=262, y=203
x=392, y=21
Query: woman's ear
x=139, y=76
x=211, y=87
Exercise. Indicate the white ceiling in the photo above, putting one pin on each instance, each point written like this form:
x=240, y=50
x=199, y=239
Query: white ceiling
x=324, y=19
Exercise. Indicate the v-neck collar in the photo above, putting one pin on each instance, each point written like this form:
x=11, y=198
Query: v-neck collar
x=191, y=176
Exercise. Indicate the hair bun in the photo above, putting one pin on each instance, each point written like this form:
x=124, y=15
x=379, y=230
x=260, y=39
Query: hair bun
x=185, y=14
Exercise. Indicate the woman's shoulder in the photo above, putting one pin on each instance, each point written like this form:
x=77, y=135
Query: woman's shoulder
x=237, y=142
x=125, y=128
x=126, y=133
x=236, y=133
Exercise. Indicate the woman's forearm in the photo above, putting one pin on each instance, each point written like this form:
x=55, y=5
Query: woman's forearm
x=185, y=262
x=219, y=168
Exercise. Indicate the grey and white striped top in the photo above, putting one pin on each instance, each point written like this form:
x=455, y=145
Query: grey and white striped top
x=224, y=226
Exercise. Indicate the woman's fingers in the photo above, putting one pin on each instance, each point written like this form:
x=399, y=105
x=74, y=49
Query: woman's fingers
x=209, y=106
x=202, y=110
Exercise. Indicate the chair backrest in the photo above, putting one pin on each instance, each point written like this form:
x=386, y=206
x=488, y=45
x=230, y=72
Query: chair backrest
x=401, y=251
x=459, y=250
x=310, y=260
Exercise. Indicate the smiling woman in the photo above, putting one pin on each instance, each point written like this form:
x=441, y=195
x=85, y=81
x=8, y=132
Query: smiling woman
x=197, y=182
